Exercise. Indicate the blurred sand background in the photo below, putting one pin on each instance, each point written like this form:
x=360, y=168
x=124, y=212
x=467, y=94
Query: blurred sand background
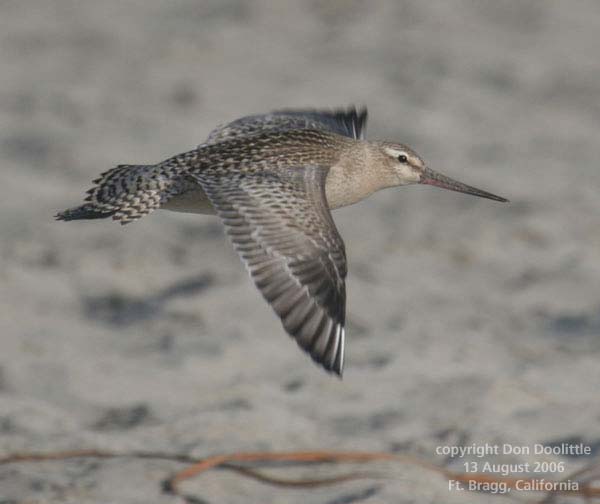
x=469, y=321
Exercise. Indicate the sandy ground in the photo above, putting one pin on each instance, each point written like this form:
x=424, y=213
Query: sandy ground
x=469, y=321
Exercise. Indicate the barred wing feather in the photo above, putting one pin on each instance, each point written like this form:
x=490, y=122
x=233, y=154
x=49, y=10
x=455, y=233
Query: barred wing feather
x=280, y=224
x=346, y=122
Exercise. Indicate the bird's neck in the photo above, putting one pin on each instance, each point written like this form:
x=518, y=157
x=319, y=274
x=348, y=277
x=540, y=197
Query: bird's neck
x=359, y=172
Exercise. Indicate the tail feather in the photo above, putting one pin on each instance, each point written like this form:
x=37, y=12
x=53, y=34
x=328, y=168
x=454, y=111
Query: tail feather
x=124, y=193
x=128, y=192
x=82, y=212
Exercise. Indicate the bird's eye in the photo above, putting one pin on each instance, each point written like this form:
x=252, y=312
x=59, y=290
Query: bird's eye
x=403, y=158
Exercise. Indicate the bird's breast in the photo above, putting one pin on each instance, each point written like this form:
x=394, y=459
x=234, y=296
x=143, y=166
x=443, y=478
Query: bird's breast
x=348, y=182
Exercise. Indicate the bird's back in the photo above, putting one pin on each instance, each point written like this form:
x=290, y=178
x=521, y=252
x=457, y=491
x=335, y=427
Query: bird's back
x=265, y=151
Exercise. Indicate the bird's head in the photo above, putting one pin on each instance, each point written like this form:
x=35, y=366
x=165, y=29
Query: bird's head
x=409, y=168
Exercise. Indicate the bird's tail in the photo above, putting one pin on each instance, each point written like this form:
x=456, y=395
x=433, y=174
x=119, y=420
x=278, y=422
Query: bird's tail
x=124, y=193
x=82, y=212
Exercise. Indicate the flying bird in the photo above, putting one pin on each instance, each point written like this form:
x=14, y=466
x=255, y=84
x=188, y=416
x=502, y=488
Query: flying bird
x=273, y=180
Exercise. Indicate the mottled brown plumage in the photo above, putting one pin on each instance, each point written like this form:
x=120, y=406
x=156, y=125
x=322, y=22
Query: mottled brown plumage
x=273, y=179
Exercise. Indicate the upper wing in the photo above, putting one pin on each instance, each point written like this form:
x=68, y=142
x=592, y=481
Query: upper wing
x=347, y=122
x=280, y=225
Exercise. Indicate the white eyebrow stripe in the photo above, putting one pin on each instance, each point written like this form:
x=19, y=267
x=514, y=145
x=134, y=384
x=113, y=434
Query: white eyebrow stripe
x=395, y=152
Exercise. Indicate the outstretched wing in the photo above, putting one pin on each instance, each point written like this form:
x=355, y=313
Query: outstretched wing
x=346, y=122
x=280, y=224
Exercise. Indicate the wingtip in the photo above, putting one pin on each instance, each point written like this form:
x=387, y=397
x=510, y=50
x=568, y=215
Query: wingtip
x=334, y=368
x=362, y=111
x=338, y=362
x=330, y=358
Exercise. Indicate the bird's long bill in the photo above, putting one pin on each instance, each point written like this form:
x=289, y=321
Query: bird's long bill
x=433, y=178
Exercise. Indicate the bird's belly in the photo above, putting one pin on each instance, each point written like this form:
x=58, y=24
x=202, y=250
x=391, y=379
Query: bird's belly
x=192, y=201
